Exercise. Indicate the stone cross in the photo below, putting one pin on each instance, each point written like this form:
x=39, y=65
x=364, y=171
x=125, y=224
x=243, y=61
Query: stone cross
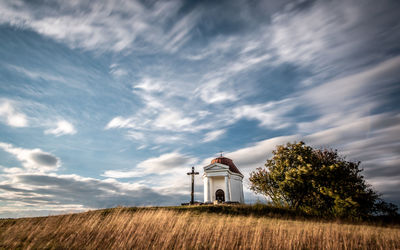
x=192, y=194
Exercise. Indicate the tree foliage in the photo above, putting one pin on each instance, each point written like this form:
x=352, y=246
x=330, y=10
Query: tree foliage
x=318, y=182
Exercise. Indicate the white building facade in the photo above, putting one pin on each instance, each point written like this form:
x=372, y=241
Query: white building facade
x=223, y=182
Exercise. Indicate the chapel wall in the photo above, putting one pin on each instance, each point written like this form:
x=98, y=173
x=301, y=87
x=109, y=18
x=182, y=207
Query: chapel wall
x=235, y=189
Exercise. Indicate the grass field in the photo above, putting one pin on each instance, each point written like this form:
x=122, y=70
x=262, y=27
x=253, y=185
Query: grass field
x=162, y=228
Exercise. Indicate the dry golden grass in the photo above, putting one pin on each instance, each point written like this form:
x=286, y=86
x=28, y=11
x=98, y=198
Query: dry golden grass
x=168, y=229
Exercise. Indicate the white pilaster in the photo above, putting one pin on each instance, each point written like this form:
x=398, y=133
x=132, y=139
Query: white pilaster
x=241, y=193
x=230, y=188
x=209, y=189
x=206, y=189
x=227, y=191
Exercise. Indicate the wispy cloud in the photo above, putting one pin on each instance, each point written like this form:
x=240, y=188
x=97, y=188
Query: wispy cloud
x=11, y=116
x=334, y=102
x=213, y=135
x=255, y=155
x=180, y=33
x=290, y=37
x=272, y=115
x=117, y=71
x=119, y=122
x=213, y=91
x=36, y=74
x=164, y=164
x=341, y=40
x=166, y=113
x=15, y=118
x=351, y=97
x=62, y=127
x=150, y=85
x=110, y=25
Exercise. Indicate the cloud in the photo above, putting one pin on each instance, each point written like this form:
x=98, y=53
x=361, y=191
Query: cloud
x=37, y=74
x=164, y=164
x=230, y=65
x=213, y=135
x=169, y=120
x=37, y=194
x=118, y=174
x=212, y=92
x=351, y=97
x=166, y=115
x=136, y=135
x=63, y=127
x=173, y=120
x=44, y=159
x=219, y=85
x=270, y=115
x=332, y=103
x=165, y=174
x=76, y=30
x=343, y=106
x=160, y=111
x=150, y=85
x=11, y=116
x=329, y=104
x=255, y=155
x=33, y=160
x=342, y=39
x=117, y=71
x=180, y=33
x=119, y=122
x=297, y=38
x=108, y=26
x=34, y=191
x=346, y=89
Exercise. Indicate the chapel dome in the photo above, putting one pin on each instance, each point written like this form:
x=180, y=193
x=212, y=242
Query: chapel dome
x=228, y=162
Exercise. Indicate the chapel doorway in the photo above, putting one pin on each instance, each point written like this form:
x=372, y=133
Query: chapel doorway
x=220, y=195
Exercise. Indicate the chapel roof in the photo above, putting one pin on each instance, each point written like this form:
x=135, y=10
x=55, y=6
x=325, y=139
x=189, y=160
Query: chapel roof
x=228, y=162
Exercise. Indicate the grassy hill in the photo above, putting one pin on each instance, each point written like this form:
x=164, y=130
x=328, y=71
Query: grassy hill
x=197, y=227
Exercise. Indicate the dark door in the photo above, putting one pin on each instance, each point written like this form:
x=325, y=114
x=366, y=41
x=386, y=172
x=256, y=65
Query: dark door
x=220, y=195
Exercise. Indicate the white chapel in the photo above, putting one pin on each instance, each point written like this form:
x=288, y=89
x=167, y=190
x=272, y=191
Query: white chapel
x=223, y=181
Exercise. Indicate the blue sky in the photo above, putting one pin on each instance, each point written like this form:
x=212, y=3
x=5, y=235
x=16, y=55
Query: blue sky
x=106, y=103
